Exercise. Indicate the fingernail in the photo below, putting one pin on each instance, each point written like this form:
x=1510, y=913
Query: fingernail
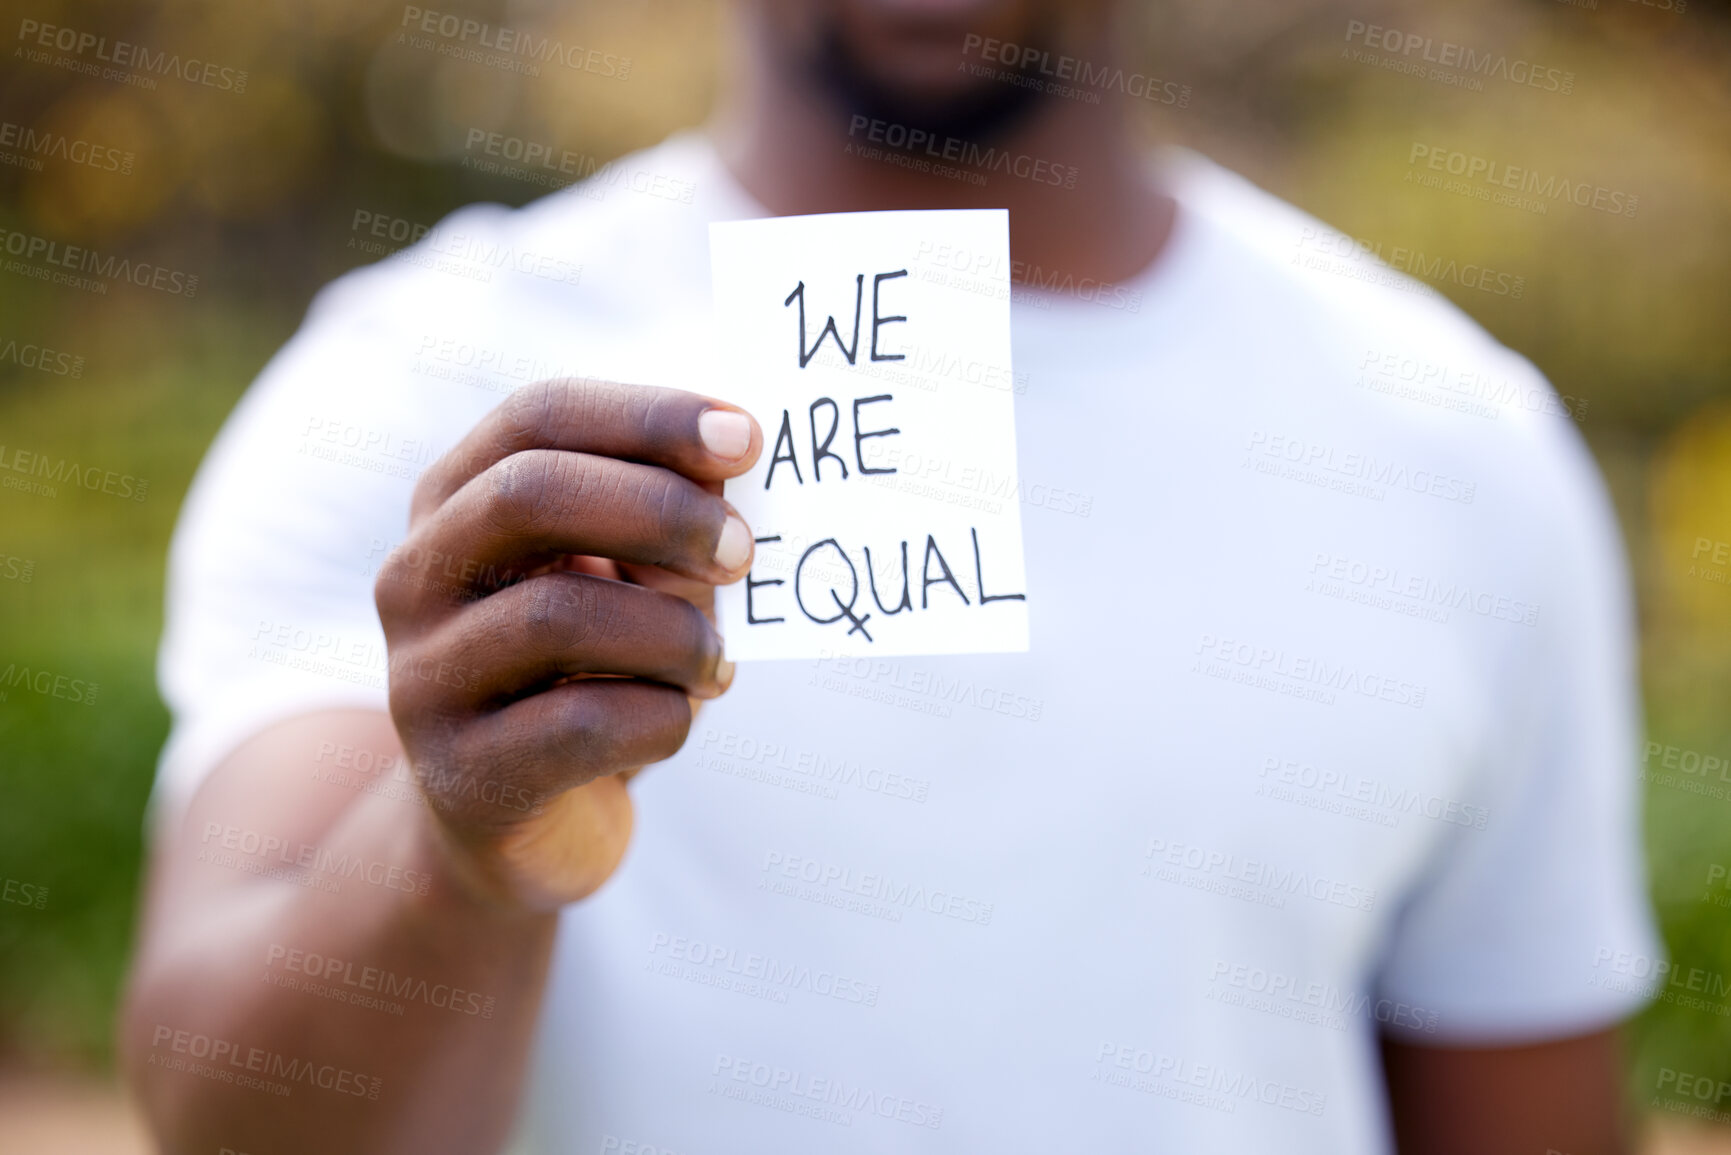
x=724, y=674
x=734, y=547
x=725, y=433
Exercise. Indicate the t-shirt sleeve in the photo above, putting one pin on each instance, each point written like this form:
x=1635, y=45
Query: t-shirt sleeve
x=1506, y=936
x=300, y=499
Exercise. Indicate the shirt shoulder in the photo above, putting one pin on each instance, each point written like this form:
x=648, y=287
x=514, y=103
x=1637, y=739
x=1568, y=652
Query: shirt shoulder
x=1332, y=271
x=1379, y=354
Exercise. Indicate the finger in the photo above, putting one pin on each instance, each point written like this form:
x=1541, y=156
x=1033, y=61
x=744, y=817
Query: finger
x=538, y=505
x=699, y=437
x=527, y=637
x=699, y=594
x=570, y=735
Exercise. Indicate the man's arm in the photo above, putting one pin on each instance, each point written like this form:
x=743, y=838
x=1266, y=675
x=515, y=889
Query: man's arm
x=522, y=694
x=215, y=935
x=1557, y=1098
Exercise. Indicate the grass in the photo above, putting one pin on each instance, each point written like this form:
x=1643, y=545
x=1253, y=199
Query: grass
x=75, y=776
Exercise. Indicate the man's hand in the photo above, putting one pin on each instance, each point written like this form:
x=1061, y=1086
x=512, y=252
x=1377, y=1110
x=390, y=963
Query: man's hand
x=535, y=669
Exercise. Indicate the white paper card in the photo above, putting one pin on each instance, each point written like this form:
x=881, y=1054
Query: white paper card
x=874, y=350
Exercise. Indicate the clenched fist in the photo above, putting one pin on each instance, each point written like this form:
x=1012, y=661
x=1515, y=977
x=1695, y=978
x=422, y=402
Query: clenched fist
x=584, y=524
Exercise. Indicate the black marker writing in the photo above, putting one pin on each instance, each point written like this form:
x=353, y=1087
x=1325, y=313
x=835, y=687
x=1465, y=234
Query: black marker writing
x=830, y=329
x=786, y=452
x=845, y=606
x=752, y=584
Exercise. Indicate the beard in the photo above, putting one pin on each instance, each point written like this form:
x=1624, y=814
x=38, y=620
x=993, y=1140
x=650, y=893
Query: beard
x=984, y=112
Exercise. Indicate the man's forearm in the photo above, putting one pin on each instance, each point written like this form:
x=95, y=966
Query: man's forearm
x=339, y=993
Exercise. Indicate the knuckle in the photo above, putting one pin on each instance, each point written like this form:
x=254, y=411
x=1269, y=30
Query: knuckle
x=587, y=731
x=677, y=727
x=596, y=404
x=404, y=695
x=393, y=586
x=604, y=729
x=387, y=598
x=682, y=516
x=526, y=415
x=429, y=485
x=653, y=417
x=634, y=413
x=562, y=613
x=520, y=489
x=702, y=643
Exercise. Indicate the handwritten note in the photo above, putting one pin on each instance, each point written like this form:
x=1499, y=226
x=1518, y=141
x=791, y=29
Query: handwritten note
x=874, y=349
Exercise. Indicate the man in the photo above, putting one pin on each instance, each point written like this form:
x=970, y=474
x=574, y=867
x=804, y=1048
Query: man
x=1305, y=825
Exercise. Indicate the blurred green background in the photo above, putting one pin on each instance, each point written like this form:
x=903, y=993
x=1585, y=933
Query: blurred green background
x=254, y=192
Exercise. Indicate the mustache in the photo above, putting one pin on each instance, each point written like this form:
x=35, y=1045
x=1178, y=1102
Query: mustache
x=983, y=112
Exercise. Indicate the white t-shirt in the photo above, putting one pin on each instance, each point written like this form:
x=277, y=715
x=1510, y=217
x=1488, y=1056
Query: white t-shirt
x=1328, y=725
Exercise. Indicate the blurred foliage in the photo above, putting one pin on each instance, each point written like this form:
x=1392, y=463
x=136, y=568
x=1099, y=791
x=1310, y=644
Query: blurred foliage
x=254, y=191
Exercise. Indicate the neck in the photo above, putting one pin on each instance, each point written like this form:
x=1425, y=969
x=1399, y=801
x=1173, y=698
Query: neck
x=795, y=152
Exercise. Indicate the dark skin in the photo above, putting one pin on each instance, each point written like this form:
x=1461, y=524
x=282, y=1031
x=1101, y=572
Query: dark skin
x=552, y=691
